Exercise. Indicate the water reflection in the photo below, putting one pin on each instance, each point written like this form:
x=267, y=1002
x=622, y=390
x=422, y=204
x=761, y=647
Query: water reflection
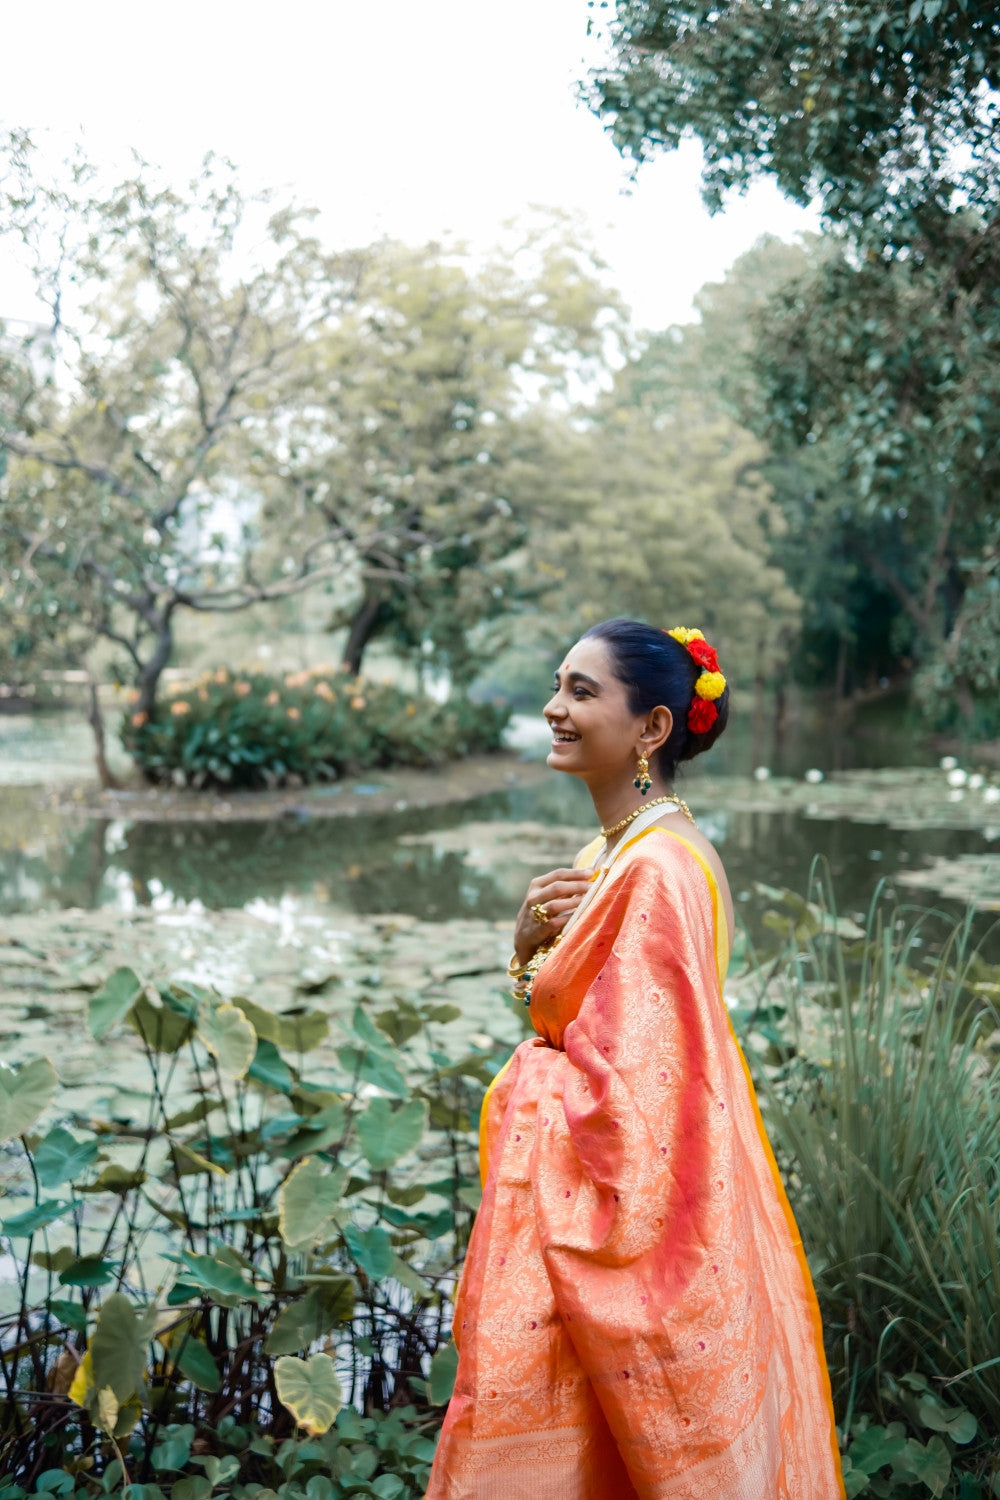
x=361, y=864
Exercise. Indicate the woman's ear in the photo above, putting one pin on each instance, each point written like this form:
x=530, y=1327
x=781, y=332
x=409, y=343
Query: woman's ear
x=659, y=723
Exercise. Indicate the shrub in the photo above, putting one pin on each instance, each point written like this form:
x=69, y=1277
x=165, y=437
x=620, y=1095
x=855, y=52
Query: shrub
x=204, y=1283
x=257, y=730
x=878, y=1073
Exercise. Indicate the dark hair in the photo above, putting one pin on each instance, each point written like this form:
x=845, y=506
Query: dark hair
x=657, y=669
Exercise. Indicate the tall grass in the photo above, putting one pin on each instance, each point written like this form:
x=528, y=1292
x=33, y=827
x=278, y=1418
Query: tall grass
x=881, y=1088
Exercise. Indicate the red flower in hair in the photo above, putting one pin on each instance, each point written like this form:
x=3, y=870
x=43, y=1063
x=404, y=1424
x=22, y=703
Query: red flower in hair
x=704, y=655
x=701, y=715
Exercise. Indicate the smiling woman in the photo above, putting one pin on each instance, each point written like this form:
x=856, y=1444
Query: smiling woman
x=635, y=1316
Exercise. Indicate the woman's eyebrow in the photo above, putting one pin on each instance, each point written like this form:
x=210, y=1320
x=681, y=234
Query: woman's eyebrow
x=579, y=677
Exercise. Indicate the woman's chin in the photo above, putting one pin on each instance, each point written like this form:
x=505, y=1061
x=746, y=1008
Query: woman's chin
x=560, y=758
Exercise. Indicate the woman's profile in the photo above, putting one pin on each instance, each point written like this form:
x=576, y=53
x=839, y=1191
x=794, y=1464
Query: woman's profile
x=635, y=1316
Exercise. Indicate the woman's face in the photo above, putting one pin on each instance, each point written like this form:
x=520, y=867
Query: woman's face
x=594, y=733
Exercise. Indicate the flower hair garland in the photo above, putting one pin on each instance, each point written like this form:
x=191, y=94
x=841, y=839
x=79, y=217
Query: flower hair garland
x=710, y=683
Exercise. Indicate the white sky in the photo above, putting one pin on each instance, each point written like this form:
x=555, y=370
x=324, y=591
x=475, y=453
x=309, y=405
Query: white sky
x=392, y=116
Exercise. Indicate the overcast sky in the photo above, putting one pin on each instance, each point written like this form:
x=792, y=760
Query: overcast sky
x=392, y=116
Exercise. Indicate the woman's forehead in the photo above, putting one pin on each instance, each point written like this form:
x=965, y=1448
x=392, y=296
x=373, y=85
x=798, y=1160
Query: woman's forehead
x=588, y=656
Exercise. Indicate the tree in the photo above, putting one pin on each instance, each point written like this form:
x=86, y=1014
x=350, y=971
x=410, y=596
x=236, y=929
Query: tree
x=882, y=352
x=125, y=427
x=667, y=517
x=419, y=450
x=223, y=412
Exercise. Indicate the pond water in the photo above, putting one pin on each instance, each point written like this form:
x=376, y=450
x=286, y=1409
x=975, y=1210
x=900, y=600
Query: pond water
x=465, y=860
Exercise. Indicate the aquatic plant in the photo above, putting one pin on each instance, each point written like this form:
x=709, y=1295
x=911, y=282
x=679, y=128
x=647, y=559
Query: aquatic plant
x=878, y=1068
x=244, y=1277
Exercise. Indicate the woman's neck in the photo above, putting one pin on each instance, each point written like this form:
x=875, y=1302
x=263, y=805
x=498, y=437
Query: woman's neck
x=614, y=802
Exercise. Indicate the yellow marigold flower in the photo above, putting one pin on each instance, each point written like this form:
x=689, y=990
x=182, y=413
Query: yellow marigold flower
x=682, y=634
x=272, y=698
x=241, y=689
x=180, y=708
x=293, y=713
x=324, y=690
x=357, y=702
x=139, y=719
x=710, y=685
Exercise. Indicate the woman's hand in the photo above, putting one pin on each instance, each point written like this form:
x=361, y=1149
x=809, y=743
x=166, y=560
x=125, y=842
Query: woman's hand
x=560, y=892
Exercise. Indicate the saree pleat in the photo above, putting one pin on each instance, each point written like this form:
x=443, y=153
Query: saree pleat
x=635, y=1316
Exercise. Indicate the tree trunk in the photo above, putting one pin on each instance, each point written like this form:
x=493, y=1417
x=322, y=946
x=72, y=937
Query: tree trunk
x=149, y=674
x=104, y=772
x=840, y=685
x=361, y=631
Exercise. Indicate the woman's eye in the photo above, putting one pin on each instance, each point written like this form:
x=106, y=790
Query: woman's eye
x=580, y=693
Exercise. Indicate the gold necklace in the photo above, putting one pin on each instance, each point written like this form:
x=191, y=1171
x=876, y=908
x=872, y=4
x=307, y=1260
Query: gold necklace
x=609, y=833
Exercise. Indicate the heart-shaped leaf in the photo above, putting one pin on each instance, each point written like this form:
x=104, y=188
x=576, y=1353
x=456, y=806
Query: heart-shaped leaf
x=60, y=1157
x=305, y=1320
x=162, y=1027
x=119, y=1346
x=229, y=1037
x=387, y=1134
x=310, y=1390
x=113, y=1001
x=88, y=1271
x=224, y=1283
x=22, y=1226
x=309, y=1198
x=444, y=1367
x=24, y=1096
x=371, y=1249
x=196, y=1364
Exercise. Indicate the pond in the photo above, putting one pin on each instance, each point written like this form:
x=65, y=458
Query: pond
x=870, y=820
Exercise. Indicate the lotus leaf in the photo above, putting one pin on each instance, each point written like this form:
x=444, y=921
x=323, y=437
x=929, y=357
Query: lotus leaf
x=310, y=1390
x=24, y=1096
x=309, y=1198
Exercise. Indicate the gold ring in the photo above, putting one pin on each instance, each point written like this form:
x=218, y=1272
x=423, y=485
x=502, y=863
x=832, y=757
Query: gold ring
x=540, y=912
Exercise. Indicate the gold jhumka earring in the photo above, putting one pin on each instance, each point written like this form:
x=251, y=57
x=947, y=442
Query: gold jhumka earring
x=642, y=781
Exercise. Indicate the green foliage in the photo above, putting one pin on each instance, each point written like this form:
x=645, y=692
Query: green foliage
x=881, y=353
x=875, y=1059
x=243, y=1250
x=257, y=730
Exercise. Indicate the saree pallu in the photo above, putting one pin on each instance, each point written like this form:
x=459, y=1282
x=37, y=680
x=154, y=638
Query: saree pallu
x=635, y=1317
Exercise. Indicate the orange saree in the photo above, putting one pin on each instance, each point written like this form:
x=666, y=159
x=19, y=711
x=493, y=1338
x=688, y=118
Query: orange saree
x=635, y=1317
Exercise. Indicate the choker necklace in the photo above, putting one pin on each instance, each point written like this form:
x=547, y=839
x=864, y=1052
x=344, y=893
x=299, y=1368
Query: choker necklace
x=609, y=833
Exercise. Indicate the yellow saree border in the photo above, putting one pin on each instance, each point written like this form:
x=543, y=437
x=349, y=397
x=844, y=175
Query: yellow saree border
x=722, y=946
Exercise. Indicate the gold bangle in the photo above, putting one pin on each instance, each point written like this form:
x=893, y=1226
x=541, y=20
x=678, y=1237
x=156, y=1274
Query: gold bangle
x=515, y=968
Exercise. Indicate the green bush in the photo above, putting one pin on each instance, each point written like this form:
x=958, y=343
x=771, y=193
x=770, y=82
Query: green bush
x=876, y=1060
x=257, y=730
x=239, y=1284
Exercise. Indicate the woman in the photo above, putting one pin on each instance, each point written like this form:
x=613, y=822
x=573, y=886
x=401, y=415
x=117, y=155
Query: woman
x=635, y=1317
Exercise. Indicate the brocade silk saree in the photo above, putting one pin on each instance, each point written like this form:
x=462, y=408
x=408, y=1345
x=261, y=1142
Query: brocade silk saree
x=635, y=1317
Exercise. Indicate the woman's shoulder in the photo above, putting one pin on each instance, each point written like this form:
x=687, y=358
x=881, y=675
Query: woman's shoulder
x=682, y=854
